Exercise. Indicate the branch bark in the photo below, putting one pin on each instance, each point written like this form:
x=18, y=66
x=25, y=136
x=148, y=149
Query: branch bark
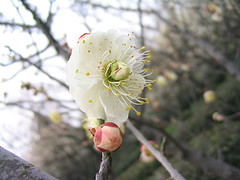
x=158, y=155
x=105, y=167
x=13, y=167
x=45, y=28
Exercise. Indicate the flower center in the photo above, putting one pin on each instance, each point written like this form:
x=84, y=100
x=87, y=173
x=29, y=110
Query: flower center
x=119, y=71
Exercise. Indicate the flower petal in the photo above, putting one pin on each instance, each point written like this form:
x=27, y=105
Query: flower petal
x=88, y=100
x=115, y=111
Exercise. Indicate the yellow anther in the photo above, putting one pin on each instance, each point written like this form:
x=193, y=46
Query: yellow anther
x=134, y=46
x=139, y=97
x=132, y=56
x=147, y=102
x=150, y=89
x=149, y=85
x=90, y=101
x=130, y=107
x=83, y=41
x=131, y=46
x=146, y=69
x=77, y=70
x=88, y=51
x=115, y=60
x=126, y=108
x=134, y=83
x=139, y=113
x=100, y=62
x=100, y=49
x=142, y=102
x=123, y=83
x=118, y=94
x=87, y=73
x=90, y=43
x=131, y=93
x=109, y=89
x=154, y=80
x=110, y=51
x=143, y=47
x=149, y=57
x=98, y=67
x=146, y=98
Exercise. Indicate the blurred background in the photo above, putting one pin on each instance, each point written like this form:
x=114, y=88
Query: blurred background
x=194, y=109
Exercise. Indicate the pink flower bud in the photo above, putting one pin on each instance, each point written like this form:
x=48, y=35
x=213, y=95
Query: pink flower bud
x=145, y=151
x=107, y=137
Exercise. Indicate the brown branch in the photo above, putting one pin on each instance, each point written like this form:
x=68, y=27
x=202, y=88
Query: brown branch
x=13, y=167
x=46, y=30
x=105, y=167
x=21, y=58
x=158, y=155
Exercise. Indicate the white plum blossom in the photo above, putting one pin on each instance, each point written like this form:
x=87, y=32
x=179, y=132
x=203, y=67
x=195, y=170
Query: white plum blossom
x=106, y=74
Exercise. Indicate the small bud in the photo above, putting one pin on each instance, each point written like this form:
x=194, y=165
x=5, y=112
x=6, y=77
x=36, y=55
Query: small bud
x=161, y=80
x=55, y=116
x=209, y=96
x=218, y=117
x=171, y=75
x=119, y=71
x=146, y=155
x=108, y=137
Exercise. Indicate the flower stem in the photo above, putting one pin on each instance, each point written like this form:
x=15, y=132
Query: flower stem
x=105, y=166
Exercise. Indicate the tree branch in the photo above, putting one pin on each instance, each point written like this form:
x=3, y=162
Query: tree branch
x=158, y=155
x=105, y=167
x=46, y=30
x=13, y=167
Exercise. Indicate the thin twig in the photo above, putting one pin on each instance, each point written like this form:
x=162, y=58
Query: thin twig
x=157, y=154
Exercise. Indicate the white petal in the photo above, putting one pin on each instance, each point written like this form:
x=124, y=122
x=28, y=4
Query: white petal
x=114, y=110
x=82, y=97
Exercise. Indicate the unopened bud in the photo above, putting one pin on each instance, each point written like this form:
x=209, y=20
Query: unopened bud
x=146, y=155
x=119, y=71
x=209, y=96
x=107, y=137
